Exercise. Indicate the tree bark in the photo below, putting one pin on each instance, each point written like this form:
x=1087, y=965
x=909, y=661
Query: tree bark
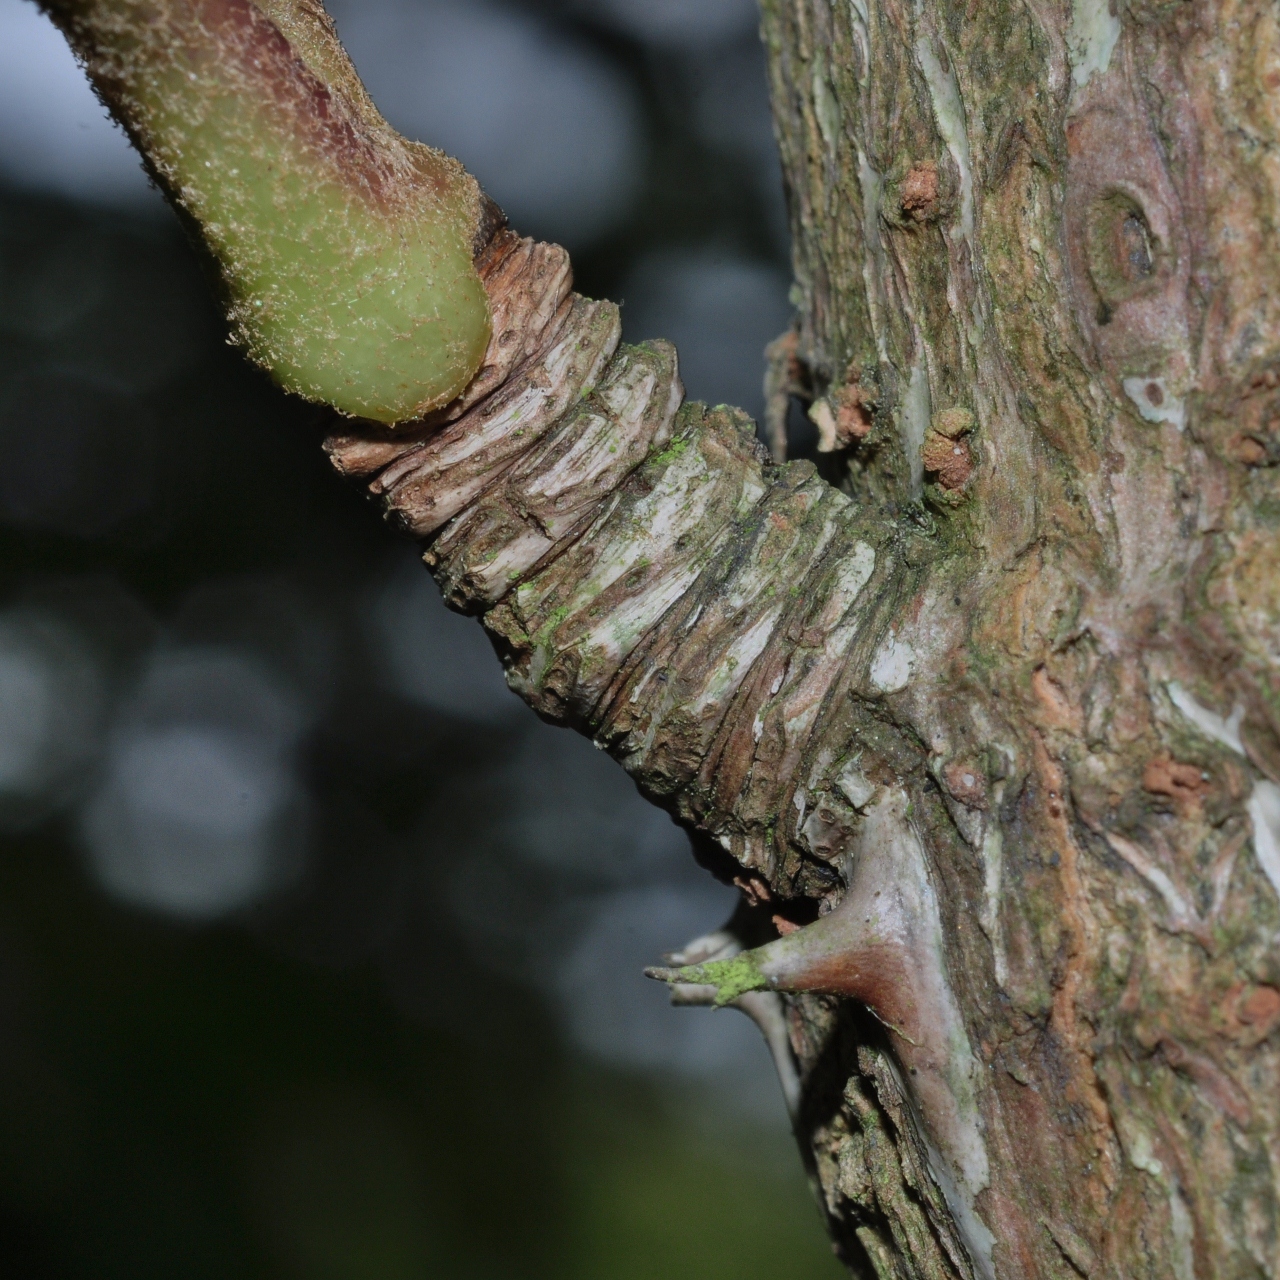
x=984, y=719
x=1054, y=229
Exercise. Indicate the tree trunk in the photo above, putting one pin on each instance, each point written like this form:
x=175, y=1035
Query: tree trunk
x=1037, y=242
x=983, y=720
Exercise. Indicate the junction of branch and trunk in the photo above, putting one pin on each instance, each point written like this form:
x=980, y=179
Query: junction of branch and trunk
x=983, y=714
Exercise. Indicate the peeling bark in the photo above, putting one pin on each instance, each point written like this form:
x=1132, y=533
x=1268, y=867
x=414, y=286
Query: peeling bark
x=989, y=733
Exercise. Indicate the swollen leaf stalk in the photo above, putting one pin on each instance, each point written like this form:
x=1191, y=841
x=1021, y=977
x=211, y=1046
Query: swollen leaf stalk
x=345, y=251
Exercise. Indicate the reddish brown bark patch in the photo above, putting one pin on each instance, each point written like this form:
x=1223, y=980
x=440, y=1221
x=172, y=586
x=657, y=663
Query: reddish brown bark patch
x=853, y=414
x=950, y=462
x=920, y=191
x=1184, y=784
x=1250, y=451
x=966, y=782
x=844, y=416
x=1260, y=1012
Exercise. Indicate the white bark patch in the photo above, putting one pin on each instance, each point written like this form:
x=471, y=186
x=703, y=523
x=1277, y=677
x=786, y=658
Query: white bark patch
x=861, y=33
x=750, y=599
x=627, y=623
x=824, y=419
x=891, y=667
x=1142, y=1156
x=855, y=571
x=678, y=503
x=992, y=881
x=1208, y=722
x=737, y=662
x=948, y=111
x=893, y=861
x=825, y=106
x=805, y=684
x=1183, y=917
x=873, y=263
x=1155, y=401
x=858, y=789
x=917, y=412
x=1091, y=39
x=1264, y=813
x=1184, y=1232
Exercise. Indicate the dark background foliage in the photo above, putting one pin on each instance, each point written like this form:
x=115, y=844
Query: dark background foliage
x=319, y=954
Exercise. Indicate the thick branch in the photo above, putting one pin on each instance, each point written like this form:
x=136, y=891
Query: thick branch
x=713, y=620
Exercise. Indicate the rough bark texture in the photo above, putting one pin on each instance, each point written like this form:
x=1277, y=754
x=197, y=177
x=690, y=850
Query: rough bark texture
x=1088, y=717
x=985, y=723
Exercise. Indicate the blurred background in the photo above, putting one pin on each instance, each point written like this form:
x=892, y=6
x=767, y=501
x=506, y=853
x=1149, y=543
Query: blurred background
x=320, y=955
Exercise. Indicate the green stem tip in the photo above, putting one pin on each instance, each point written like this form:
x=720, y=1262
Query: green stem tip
x=345, y=251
